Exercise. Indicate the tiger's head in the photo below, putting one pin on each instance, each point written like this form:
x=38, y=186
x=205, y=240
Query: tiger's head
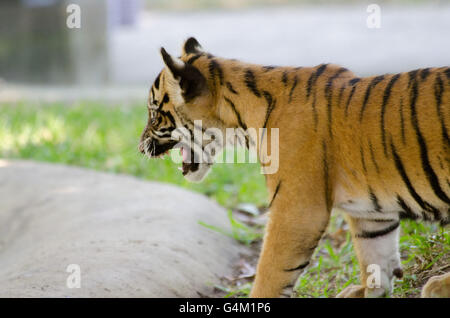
x=178, y=97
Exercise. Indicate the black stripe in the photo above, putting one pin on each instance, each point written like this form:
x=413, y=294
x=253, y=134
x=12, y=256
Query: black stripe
x=293, y=87
x=250, y=82
x=238, y=116
x=438, y=90
x=402, y=122
x=169, y=116
x=165, y=100
x=326, y=176
x=347, y=105
x=411, y=77
x=156, y=84
x=247, y=141
x=275, y=193
x=406, y=212
x=341, y=92
x=316, y=117
x=309, y=84
x=313, y=78
x=320, y=70
x=374, y=234
x=166, y=129
x=193, y=58
x=301, y=266
x=270, y=106
x=401, y=169
x=158, y=121
x=426, y=165
x=231, y=89
x=371, y=85
x=329, y=96
x=447, y=72
x=424, y=73
x=214, y=68
x=387, y=93
x=382, y=220
x=353, y=81
x=374, y=200
x=284, y=78
x=269, y=68
x=332, y=78
x=329, y=115
x=363, y=161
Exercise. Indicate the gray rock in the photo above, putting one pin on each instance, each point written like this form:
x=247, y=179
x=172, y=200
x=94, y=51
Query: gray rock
x=130, y=238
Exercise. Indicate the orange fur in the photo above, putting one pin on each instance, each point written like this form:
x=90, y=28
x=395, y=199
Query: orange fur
x=376, y=147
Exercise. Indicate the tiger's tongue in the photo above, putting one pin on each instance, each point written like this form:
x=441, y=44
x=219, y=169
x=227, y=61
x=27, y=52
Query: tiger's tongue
x=183, y=154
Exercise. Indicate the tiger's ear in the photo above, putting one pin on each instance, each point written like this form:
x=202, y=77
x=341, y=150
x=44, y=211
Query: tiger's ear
x=191, y=83
x=192, y=46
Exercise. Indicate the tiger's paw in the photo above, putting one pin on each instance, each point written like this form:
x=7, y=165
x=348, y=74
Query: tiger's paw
x=352, y=291
x=437, y=287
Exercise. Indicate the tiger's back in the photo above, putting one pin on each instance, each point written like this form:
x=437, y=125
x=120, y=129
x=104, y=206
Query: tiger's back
x=387, y=136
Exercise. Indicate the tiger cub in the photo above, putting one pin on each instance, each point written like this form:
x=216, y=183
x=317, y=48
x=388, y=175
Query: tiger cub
x=377, y=148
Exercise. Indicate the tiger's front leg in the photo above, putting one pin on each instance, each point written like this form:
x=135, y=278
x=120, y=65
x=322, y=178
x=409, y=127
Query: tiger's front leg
x=296, y=224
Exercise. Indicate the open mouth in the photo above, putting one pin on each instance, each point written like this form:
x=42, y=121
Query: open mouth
x=187, y=165
x=188, y=162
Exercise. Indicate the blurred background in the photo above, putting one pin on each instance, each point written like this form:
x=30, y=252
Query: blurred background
x=117, y=46
x=78, y=96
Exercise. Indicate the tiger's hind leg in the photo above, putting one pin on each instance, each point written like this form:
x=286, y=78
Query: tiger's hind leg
x=437, y=287
x=376, y=247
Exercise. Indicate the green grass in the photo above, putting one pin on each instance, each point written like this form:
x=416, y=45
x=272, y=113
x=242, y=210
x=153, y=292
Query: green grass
x=105, y=137
x=242, y=233
x=333, y=268
x=424, y=248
